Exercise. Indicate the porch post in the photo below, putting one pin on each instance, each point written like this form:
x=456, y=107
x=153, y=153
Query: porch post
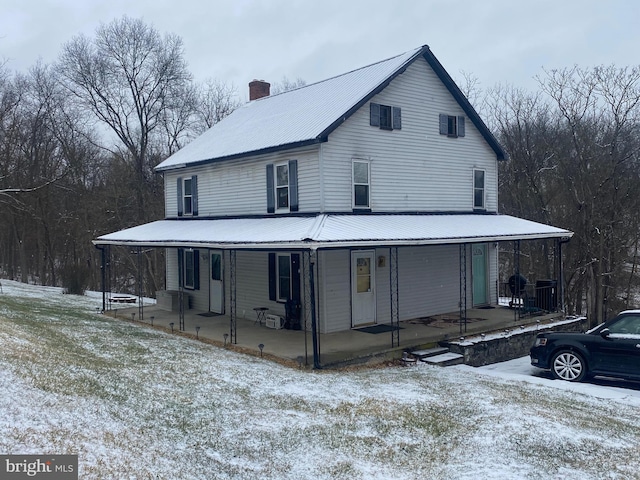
x=394, y=293
x=314, y=330
x=463, y=287
x=560, y=275
x=103, y=267
x=181, y=289
x=232, y=297
x=306, y=285
x=516, y=263
x=140, y=286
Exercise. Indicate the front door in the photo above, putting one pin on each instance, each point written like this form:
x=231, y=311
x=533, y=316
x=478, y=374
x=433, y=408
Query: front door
x=216, y=288
x=479, y=272
x=363, y=301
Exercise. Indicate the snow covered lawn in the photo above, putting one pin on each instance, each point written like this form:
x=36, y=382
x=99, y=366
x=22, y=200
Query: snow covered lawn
x=134, y=402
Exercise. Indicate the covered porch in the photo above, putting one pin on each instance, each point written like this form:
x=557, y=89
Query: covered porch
x=294, y=347
x=310, y=236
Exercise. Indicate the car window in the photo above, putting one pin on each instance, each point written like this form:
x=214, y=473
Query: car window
x=628, y=326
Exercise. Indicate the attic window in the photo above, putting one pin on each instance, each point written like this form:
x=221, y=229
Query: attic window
x=451, y=125
x=385, y=116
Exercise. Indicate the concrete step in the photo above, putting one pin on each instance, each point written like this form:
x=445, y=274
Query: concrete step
x=444, y=359
x=429, y=352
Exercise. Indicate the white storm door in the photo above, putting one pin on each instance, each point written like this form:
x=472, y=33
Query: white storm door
x=216, y=287
x=363, y=301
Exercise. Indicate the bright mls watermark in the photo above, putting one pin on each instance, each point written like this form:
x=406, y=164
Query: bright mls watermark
x=50, y=467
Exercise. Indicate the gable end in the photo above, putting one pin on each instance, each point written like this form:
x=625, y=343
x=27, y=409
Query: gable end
x=446, y=79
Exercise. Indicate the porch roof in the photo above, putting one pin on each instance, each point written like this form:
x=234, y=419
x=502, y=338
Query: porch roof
x=332, y=231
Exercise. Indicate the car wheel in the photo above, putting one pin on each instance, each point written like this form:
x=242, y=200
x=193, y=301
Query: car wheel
x=568, y=365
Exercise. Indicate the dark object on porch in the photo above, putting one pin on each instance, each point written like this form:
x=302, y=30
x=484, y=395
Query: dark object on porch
x=292, y=315
x=546, y=296
x=209, y=314
x=375, y=329
x=517, y=283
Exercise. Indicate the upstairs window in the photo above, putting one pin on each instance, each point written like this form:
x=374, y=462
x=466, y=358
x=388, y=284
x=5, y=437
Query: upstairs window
x=187, y=196
x=451, y=125
x=282, y=187
x=385, y=116
x=478, y=190
x=361, y=184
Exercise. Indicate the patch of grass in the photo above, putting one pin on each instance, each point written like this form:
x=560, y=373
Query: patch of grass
x=134, y=402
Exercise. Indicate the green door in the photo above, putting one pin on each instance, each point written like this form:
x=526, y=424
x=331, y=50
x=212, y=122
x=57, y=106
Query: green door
x=479, y=273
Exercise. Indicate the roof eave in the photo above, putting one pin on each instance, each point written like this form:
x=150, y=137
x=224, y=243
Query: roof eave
x=263, y=151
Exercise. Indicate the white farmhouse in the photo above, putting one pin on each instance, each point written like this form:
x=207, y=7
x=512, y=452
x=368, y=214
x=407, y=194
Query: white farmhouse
x=370, y=198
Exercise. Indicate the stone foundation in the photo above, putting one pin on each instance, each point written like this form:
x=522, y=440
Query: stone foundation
x=513, y=343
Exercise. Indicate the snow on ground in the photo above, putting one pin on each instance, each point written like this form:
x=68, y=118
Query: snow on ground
x=133, y=402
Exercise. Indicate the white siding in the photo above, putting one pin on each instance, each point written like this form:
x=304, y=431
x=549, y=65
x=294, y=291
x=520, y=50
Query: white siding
x=334, y=271
x=415, y=168
x=171, y=256
x=238, y=187
x=429, y=280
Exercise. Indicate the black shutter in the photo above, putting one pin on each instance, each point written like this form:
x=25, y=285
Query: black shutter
x=295, y=278
x=271, y=196
x=196, y=270
x=293, y=185
x=444, y=124
x=194, y=195
x=374, y=115
x=180, y=268
x=273, y=277
x=397, y=119
x=461, y=126
x=179, y=195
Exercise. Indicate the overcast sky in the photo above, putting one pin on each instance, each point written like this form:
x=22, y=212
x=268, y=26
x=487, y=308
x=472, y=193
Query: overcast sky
x=507, y=41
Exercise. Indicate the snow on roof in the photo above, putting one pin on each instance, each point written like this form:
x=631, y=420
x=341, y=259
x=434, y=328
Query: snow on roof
x=327, y=231
x=290, y=118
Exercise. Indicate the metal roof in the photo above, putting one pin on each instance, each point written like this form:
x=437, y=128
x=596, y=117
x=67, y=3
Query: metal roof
x=307, y=115
x=332, y=231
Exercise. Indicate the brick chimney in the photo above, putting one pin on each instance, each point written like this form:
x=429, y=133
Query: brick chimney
x=259, y=89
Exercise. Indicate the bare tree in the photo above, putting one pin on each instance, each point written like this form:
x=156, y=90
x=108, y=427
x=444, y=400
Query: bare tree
x=129, y=77
x=285, y=85
x=575, y=162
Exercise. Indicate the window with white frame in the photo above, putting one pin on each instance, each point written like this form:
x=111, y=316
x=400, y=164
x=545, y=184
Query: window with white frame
x=282, y=186
x=187, y=196
x=361, y=184
x=284, y=277
x=478, y=189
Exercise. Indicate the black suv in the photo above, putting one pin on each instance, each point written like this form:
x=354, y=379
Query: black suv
x=611, y=349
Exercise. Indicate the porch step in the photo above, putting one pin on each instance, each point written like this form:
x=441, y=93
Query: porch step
x=444, y=359
x=429, y=352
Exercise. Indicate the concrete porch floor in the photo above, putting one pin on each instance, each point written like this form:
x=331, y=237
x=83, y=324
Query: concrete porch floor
x=294, y=347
